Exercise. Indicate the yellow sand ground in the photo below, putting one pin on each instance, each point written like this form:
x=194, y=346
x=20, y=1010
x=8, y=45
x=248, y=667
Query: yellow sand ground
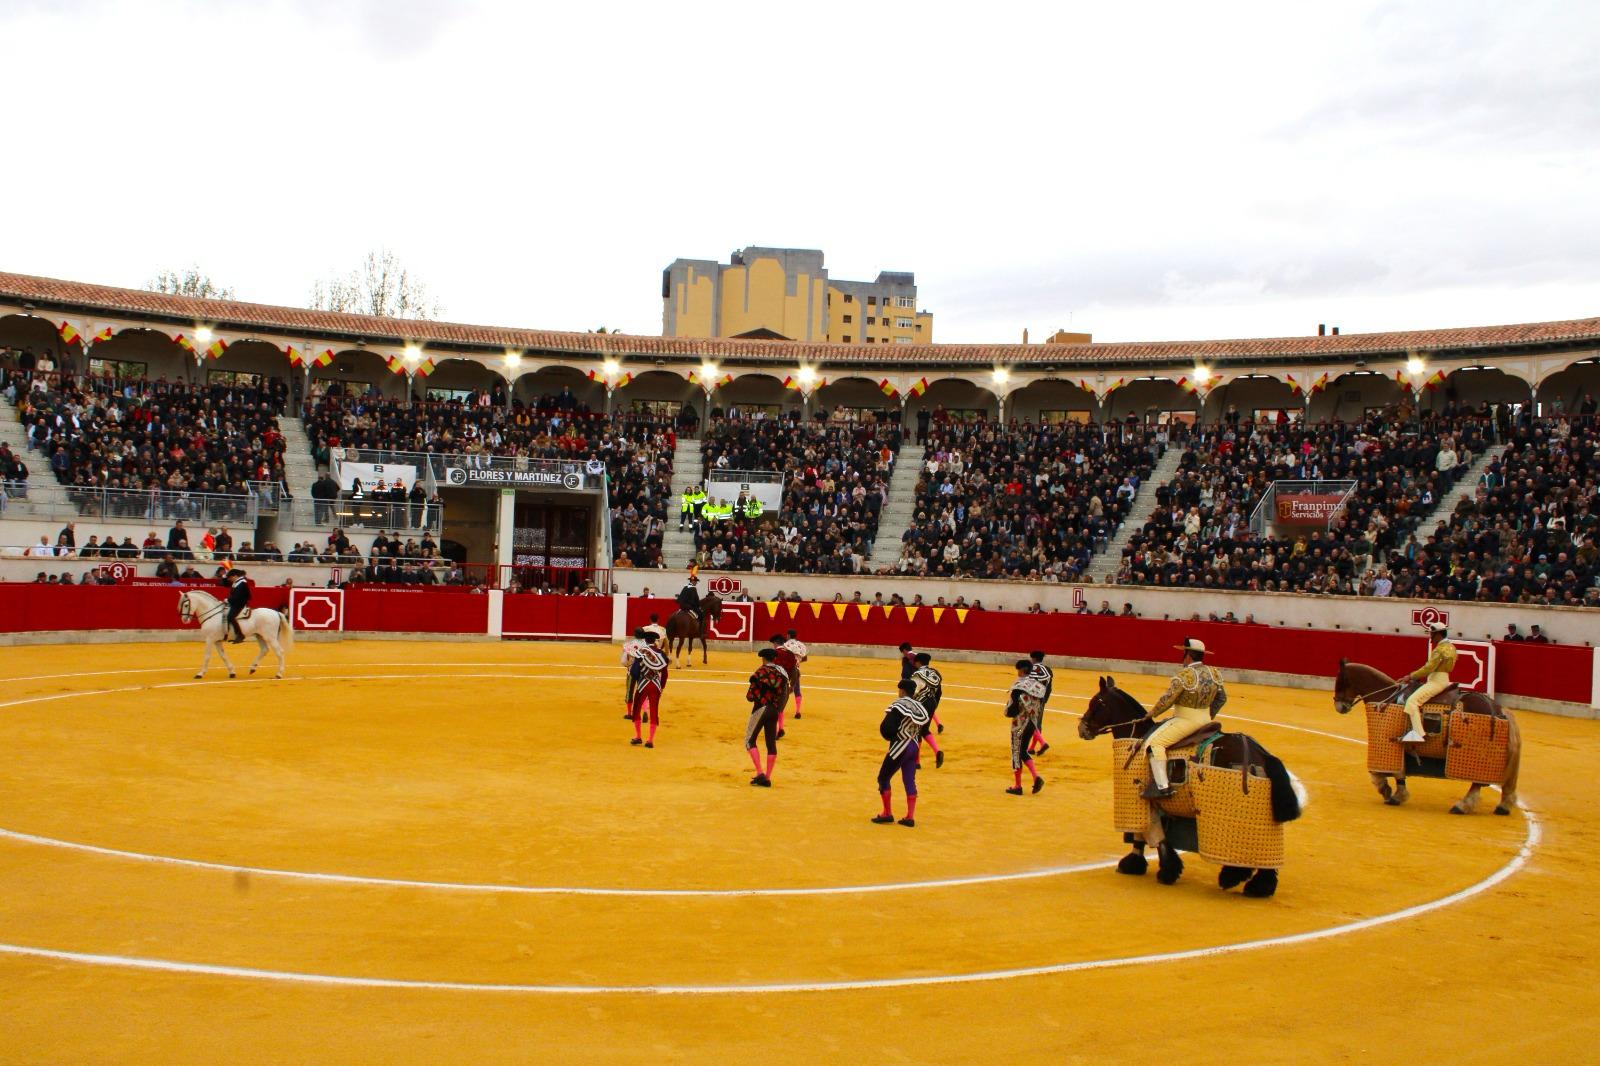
x=487, y=766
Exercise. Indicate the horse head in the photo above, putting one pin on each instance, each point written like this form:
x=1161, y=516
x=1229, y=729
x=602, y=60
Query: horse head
x=1357, y=682
x=711, y=604
x=185, y=609
x=1111, y=710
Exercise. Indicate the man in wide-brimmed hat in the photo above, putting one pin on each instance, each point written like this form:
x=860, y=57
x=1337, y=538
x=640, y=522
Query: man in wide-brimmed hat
x=1195, y=696
x=1435, y=677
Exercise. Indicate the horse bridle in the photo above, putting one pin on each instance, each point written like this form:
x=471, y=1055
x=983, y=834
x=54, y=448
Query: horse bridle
x=1103, y=730
x=200, y=619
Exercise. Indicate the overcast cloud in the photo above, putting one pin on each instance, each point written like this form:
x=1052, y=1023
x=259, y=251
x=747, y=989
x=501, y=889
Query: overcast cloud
x=1135, y=171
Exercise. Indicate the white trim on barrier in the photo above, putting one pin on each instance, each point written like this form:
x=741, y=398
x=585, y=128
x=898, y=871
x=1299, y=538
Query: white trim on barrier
x=331, y=599
x=746, y=631
x=1594, y=684
x=497, y=607
x=1481, y=654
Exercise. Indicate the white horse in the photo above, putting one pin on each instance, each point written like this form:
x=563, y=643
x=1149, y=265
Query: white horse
x=270, y=628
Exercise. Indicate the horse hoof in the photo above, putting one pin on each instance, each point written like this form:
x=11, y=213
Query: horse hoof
x=1502, y=810
x=1232, y=877
x=1391, y=801
x=1133, y=864
x=1457, y=809
x=1263, y=885
x=1168, y=877
x=233, y=677
x=252, y=672
x=197, y=677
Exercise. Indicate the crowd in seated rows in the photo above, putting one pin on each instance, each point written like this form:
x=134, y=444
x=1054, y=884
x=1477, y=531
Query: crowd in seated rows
x=1200, y=534
x=836, y=477
x=1027, y=501
x=172, y=436
x=636, y=447
x=1527, y=535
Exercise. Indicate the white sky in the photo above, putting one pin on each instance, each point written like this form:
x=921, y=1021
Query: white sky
x=1138, y=171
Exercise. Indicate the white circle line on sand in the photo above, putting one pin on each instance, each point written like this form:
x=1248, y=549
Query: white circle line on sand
x=552, y=890
x=1529, y=844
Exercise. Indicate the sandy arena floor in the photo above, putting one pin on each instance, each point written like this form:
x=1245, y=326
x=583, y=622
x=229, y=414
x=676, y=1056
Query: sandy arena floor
x=432, y=852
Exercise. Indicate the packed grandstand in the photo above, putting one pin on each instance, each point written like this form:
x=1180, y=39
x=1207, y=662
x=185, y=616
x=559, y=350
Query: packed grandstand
x=1459, y=481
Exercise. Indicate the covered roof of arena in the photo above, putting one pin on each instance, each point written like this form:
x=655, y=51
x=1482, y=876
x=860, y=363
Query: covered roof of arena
x=77, y=297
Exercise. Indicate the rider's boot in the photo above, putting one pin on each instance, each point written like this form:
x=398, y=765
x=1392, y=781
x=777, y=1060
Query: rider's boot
x=1158, y=788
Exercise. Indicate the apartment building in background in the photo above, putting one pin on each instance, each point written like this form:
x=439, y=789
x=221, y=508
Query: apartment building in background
x=786, y=294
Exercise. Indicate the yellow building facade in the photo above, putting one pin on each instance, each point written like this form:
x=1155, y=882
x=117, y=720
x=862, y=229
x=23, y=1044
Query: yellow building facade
x=786, y=294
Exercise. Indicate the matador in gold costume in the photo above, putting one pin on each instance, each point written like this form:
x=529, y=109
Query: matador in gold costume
x=1195, y=696
x=1435, y=677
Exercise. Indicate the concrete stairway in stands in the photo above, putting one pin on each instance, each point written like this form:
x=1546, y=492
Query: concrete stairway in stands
x=677, y=549
x=13, y=433
x=299, y=468
x=1463, y=490
x=1105, y=564
x=900, y=508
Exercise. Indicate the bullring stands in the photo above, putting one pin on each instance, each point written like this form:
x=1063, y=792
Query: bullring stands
x=1026, y=501
x=636, y=448
x=1200, y=534
x=1528, y=535
x=836, y=479
x=172, y=436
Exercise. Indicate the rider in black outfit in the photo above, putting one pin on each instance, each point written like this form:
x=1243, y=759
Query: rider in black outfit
x=689, y=597
x=238, y=597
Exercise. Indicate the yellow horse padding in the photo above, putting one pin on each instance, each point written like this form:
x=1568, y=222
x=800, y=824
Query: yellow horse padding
x=1474, y=747
x=1130, y=812
x=1235, y=824
x=1478, y=750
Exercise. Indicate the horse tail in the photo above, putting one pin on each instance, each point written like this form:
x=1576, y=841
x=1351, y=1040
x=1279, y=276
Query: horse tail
x=285, y=630
x=1285, y=796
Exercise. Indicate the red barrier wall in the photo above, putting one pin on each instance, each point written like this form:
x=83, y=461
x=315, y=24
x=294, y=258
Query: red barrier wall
x=1542, y=671
x=564, y=616
x=391, y=610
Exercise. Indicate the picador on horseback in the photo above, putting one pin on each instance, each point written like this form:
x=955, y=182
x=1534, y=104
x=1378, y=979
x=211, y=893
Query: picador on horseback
x=1195, y=696
x=238, y=586
x=1435, y=677
x=689, y=597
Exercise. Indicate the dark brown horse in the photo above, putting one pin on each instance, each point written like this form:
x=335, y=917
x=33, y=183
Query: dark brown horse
x=1360, y=683
x=683, y=629
x=1115, y=712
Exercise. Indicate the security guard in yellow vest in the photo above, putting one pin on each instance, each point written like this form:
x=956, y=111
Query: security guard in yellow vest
x=752, y=508
x=685, y=508
x=1435, y=677
x=1195, y=696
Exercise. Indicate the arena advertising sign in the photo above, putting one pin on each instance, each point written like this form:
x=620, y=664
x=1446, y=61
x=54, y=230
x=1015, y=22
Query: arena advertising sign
x=488, y=477
x=369, y=474
x=1307, y=508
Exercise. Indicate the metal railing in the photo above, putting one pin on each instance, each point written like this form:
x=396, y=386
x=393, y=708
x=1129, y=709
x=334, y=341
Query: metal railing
x=27, y=500
x=363, y=514
x=749, y=477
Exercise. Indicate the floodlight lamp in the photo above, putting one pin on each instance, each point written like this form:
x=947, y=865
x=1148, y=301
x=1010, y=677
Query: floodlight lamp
x=1001, y=375
x=807, y=375
x=203, y=334
x=1202, y=374
x=611, y=366
x=1415, y=366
